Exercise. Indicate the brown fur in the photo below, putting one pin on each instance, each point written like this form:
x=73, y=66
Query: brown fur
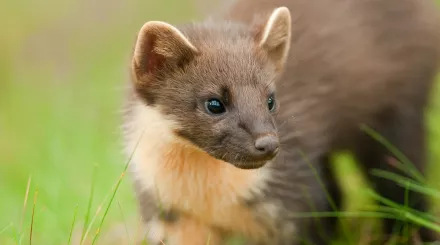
x=337, y=65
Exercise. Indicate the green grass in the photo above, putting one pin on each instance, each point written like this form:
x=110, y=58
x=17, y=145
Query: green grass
x=62, y=68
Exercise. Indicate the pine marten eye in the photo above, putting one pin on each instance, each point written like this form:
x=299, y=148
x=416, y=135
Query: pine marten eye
x=214, y=106
x=271, y=103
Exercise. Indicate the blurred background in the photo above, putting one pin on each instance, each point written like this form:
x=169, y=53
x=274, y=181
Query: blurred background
x=62, y=68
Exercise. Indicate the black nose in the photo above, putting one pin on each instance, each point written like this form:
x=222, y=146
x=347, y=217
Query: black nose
x=267, y=145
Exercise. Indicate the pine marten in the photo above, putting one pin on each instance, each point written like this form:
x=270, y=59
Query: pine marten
x=230, y=121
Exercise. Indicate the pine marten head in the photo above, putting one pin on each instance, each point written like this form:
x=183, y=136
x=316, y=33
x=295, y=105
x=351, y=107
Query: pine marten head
x=217, y=82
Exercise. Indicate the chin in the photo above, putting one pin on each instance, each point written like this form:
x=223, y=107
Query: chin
x=244, y=162
x=250, y=164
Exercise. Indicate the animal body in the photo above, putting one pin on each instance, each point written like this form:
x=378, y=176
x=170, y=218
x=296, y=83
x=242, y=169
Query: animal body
x=230, y=121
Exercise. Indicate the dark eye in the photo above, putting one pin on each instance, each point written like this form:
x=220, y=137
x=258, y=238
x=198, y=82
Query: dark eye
x=271, y=103
x=214, y=106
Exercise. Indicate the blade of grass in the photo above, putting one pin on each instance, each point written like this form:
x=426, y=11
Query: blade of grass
x=422, y=222
x=323, y=187
x=33, y=214
x=89, y=206
x=411, y=170
x=5, y=229
x=17, y=236
x=315, y=173
x=419, y=213
x=407, y=182
x=116, y=189
x=26, y=196
x=407, y=213
x=105, y=198
x=98, y=210
x=406, y=205
x=108, y=207
x=392, y=205
x=73, y=224
x=123, y=220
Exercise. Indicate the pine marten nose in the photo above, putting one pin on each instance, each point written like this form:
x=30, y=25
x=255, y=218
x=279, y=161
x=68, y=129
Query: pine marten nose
x=267, y=146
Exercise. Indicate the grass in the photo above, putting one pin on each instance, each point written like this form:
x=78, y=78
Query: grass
x=62, y=65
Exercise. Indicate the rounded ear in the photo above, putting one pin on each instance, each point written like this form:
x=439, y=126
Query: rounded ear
x=274, y=36
x=160, y=45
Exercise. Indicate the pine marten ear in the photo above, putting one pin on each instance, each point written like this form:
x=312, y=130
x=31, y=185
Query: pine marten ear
x=160, y=46
x=274, y=37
